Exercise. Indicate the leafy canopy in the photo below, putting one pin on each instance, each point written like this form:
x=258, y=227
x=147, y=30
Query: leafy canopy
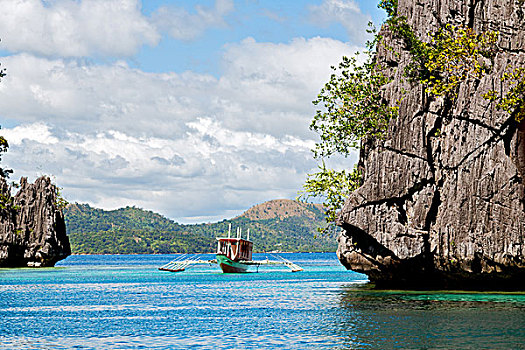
x=334, y=186
x=4, y=145
x=456, y=54
x=513, y=102
x=352, y=108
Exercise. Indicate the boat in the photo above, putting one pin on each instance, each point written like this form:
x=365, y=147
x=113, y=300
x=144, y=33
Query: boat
x=233, y=255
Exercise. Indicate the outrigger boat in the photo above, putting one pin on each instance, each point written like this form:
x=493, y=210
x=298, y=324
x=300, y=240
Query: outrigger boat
x=234, y=255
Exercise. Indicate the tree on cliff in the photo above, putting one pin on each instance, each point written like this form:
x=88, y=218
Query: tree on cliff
x=3, y=148
x=4, y=145
x=354, y=107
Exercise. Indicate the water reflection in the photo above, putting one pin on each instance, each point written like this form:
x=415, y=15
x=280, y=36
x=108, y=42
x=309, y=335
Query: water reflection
x=372, y=319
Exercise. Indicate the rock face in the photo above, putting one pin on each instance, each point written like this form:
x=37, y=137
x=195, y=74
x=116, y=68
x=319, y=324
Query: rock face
x=443, y=199
x=32, y=229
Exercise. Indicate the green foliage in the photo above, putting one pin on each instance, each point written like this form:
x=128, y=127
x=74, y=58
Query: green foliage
x=290, y=234
x=135, y=231
x=334, y=186
x=454, y=55
x=82, y=218
x=390, y=6
x=353, y=109
x=514, y=100
x=124, y=241
x=415, y=70
x=61, y=202
x=128, y=231
x=4, y=145
x=3, y=142
x=353, y=106
x=6, y=202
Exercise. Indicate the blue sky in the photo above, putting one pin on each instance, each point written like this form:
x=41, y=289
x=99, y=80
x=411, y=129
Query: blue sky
x=194, y=109
x=265, y=21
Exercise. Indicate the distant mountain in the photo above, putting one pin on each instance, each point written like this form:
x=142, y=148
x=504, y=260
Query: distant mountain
x=84, y=218
x=128, y=230
x=284, y=208
x=277, y=225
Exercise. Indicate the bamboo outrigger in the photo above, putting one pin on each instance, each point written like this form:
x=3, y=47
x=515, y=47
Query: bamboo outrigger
x=234, y=255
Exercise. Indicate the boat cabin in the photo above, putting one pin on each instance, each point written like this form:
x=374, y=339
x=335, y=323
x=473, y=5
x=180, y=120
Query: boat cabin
x=235, y=248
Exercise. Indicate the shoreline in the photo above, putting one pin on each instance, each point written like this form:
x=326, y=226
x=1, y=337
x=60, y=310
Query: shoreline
x=80, y=254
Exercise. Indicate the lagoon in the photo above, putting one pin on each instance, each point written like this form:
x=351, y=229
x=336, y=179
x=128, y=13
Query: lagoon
x=124, y=302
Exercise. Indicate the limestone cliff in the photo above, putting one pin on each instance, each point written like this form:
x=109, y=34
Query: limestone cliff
x=32, y=229
x=443, y=199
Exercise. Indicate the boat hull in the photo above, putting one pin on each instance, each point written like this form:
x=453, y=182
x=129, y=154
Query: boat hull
x=229, y=266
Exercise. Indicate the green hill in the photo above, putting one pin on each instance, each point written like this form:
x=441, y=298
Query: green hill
x=279, y=225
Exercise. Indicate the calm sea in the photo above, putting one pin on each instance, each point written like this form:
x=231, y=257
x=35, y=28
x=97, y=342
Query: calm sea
x=124, y=302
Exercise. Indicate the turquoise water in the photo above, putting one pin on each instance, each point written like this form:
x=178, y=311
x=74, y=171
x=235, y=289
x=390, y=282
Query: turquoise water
x=124, y=302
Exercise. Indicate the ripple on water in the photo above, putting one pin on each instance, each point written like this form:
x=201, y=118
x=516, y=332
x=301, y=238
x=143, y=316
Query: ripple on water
x=124, y=302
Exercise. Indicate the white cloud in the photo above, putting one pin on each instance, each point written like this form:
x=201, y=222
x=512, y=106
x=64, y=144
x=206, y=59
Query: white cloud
x=184, y=177
x=75, y=28
x=107, y=28
x=182, y=25
x=187, y=145
x=100, y=97
x=37, y=132
x=279, y=80
x=265, y=88
x=345, y=12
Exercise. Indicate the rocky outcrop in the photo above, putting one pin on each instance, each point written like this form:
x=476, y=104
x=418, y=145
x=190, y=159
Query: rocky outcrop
x=443, y=199
x=32, y=229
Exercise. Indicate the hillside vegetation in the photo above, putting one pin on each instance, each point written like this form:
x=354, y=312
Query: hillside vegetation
x=278, y=225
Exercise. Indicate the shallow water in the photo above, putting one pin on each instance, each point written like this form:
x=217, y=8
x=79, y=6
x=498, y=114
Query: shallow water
x=124, y=302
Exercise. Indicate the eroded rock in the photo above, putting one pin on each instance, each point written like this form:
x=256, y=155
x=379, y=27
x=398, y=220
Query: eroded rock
x=443, y=199
x=32, y=228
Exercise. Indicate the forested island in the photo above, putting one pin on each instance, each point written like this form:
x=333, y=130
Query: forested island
x=278, y=225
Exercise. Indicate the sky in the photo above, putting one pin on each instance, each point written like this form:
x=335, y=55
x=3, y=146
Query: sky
x=195, y=109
